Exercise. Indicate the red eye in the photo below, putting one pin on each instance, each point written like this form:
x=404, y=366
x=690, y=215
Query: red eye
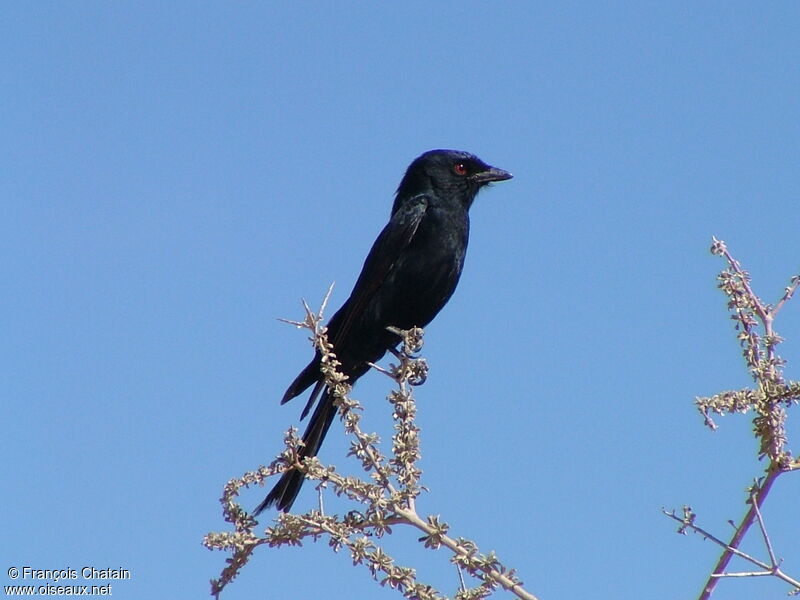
x=460, y=168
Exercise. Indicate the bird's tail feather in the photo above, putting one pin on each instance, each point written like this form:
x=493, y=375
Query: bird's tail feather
x=288, y=486
x=303, y=381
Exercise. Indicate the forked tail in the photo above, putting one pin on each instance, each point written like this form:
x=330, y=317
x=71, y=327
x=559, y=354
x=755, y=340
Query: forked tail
x=287, y=488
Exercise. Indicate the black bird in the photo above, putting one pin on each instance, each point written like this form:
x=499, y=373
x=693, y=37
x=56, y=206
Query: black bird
x=408, y=276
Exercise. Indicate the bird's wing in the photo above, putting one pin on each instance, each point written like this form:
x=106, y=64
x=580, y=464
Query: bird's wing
x=388, y=247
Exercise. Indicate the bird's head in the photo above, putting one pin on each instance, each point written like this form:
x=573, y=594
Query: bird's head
x=448, y=174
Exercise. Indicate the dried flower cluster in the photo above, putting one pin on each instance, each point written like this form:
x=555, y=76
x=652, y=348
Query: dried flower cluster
x=769, y=401
x=387, y=499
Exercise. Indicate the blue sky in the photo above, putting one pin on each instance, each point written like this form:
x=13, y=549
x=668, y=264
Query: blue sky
x=177, y=176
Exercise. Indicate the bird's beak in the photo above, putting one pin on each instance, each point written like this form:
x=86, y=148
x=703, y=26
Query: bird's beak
x=491, y=174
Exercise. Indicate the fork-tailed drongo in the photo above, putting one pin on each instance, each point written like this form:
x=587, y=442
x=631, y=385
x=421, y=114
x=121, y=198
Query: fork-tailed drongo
x=408, y=276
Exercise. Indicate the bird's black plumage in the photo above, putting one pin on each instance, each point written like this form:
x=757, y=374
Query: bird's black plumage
x=408, y=276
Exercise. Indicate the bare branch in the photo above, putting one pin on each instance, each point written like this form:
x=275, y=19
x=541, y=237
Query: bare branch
x=388, y=499
x=769, y=401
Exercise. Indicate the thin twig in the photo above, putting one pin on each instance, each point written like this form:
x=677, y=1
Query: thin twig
x=509, y=584
x=768, y=570
x=762, y=311
x=764, y=533
x=710, y=536
x=790, y=290
x=731, y=547
x=746, y=574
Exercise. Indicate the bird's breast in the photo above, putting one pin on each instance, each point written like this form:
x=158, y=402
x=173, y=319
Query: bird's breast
x=428, y=272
